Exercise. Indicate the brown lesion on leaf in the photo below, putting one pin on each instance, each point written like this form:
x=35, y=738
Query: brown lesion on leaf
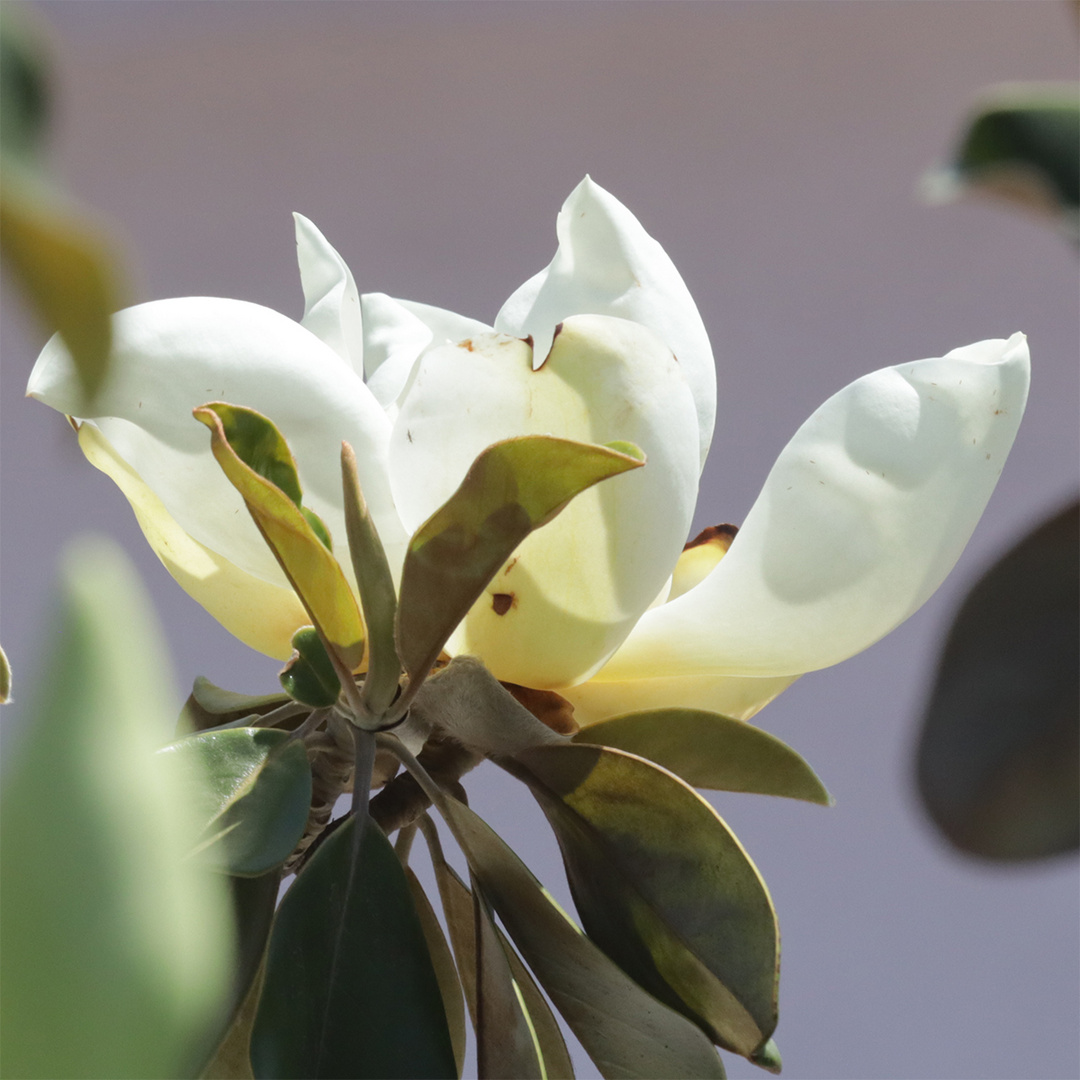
x=548, y=707
x=721, y=535
x=502, y=602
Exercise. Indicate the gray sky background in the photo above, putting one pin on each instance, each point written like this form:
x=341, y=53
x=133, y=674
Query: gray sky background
x=773, y=148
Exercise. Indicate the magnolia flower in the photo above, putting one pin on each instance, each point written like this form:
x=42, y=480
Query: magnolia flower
x=862, y=516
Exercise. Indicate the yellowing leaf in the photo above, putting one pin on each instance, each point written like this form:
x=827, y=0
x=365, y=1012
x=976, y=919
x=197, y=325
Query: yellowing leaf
x=512, y=488
x=256, y=460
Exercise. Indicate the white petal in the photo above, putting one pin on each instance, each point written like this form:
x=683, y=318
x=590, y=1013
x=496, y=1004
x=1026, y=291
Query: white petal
x=607, y=264
x=396, y=332
x=862, y=516
x=331, y=302
x=173, y=355
x=579, y=583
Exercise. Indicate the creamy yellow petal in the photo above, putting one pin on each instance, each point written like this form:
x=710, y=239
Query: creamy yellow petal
x=733, y=696
x=260, y=613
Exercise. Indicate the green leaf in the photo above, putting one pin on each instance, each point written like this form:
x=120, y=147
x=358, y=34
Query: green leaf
x=663, y=887
x=708, y=750
x=457, y=906
x=116, y=946
x=254, y=900
x=350, y=990
x=5, y=678
x=258, y=463
x=210, y=706
x=254, y=802
x=62, y=263
x=1022, y=146
x=625, y=1030
x=997, y=759
x=512, y=488
x=376, y=586
x=506, y=1044
x=442, y=960
x=309, y=676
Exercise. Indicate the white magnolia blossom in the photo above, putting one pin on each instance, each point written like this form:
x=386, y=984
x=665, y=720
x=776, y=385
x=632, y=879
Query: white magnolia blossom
x=862, y=516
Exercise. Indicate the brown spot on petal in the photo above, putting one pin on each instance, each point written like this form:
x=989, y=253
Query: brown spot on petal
x=467, y=345
x=502, y=602
x=548, y=707
x=721, y=535
x=511, y=564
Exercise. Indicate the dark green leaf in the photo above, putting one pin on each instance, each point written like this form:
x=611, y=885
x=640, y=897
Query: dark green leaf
x=711, y=751
x=350, y=990
x=210, y=706
x=116, y=946
x=442, y=959
x=255, y=799
x=512, y=488
x=24, y=87
x=309, y=676
x=998, y=758
x=664, y=887
x=626, y=1031
x=254, y=900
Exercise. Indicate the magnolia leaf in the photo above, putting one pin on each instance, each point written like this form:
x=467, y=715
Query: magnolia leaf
x=255, y=458
x=232, y=1059
x=309, y=676
x=663, y=887
x=457, y=906
x=5, y=678
x=116, y=945
x=210, y=706
x=505, y=1041
x=625, y=1030
x=348, y=945
x=512, y=488
x=1021, y=147
x=708, y=750
x=255, y=800
x=442, y=959
x=254, y=900
x=63, y=264
x=997, y=760
x=376, y=586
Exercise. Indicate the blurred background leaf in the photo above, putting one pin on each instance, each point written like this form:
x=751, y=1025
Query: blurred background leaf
x=1021, y=144
x=116, y=946
x=62, y=261
x=999, y=755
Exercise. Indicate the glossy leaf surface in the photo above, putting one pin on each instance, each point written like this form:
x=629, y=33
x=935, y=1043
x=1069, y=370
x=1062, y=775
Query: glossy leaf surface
x=256, y=460
x=116, y=945
x=625, y=1030
x=309, y=676
x=664, y=887
x=998, y=757
x=254, y=803
x=350, y=990
x=512, y=488
x=711, y=751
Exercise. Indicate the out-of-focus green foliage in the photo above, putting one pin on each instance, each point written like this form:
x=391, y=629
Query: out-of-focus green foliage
x=116, y=944
x=999, y=755
x=61, y=260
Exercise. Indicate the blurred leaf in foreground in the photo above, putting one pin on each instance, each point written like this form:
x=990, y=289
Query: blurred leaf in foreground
x=116, y=946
